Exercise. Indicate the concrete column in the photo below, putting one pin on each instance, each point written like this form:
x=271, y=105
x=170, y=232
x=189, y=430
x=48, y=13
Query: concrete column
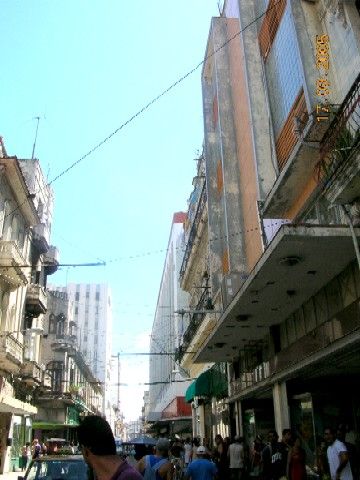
x=239, y=419
x=201, y=414
x=281, y=407
x=193, y=420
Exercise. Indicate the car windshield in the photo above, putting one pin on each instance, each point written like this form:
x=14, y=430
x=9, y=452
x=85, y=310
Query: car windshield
x=62, y=469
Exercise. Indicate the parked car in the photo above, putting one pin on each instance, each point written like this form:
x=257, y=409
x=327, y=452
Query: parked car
x=57, y=467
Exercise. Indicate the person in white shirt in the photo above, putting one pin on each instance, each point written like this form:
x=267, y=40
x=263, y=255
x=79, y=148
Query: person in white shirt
x=187, y=451
x=236, y=458
x=337, y=456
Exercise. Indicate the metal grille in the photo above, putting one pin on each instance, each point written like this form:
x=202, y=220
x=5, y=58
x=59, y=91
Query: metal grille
x=342, y=138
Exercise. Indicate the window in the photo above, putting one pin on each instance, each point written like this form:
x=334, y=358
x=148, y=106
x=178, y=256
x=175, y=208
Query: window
x=76, y=310
x=283, y=71
x=77, y=296
x=97, y=296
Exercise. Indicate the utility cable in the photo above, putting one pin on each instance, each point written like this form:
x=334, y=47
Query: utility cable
x=154, y=100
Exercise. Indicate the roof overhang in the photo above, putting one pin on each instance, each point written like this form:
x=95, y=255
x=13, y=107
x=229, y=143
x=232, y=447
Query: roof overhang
x=299, y=261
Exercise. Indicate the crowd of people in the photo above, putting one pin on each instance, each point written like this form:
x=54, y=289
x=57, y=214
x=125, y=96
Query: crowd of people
x=270, y=459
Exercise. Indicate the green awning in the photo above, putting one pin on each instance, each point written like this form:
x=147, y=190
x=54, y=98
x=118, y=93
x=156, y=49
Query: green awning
x=212, y=383
x=52, y=425
x=190, y=392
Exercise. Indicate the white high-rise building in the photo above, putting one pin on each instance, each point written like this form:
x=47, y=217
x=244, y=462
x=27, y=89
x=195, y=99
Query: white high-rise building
x=93, y=317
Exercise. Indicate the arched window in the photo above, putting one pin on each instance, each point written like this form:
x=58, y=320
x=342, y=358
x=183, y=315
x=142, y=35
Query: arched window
x=52, y=323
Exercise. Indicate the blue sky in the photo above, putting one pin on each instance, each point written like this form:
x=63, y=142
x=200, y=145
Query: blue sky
x=85, y=67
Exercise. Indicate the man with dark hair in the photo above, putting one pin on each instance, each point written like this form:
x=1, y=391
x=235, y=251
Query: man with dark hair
x=337, y=456
x=98, y=447
x=157, y=466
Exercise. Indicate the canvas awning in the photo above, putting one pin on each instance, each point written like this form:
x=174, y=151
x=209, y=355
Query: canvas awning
x=212, y=383
x=38, y=425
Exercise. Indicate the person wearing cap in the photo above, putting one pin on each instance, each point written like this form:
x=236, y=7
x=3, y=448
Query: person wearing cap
x=157, y=466
x=98, y=447
x=201, y=468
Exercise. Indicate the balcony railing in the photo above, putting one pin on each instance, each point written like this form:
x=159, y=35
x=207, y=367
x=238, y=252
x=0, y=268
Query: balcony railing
x=51, y=260
x=11, y=353
x=36, y=300
x=196, y=320
x=13, y=264
x=194, y=229
x=31, y=372
x=41, y=237
x=249, y=379
x=342, y=138
x=64, y=342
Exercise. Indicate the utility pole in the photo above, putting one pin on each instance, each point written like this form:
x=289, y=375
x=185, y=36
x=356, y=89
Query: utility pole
x=36, y=132
x=118, y=392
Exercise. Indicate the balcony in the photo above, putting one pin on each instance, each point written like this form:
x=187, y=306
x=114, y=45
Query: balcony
x=46, y=381
x=31, y=373
x=36, y=300
x=249, y=379
x=63, y=343
x=51, y=260
x=297, y=155
x=12, y=263
x=291, y=270
x=339, y=166
x=41, y=237
x=194, y=231
x=11, y=353
x=196, y=320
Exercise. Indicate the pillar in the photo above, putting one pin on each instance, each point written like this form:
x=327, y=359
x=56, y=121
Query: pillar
x=201, y=424
x=281, y=407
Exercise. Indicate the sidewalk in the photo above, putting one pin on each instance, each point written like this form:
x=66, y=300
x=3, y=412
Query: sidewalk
x=10, y=475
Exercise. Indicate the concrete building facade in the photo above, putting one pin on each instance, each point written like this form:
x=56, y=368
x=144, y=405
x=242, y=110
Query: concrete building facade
x=72, y=391
x=26, y=258
x=281, y=123
x=168, y=382
x=93, y=316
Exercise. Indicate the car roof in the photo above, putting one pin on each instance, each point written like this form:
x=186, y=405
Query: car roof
x=59, y=457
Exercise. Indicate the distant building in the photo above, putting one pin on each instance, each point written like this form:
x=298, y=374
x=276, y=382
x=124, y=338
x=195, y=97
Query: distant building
x=93, y=315
x=71, y=389
x=168, y=412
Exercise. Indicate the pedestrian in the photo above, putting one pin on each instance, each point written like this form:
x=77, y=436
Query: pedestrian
x=296, y=462
x=201, y=468
x=158, y=466
x=36, y=448
x=337, y=456
x=220, y=457
x=266, y=455
x=187, y=451
x=98, y=447
x=236, y=457
x=25, y=456
x=255, y=457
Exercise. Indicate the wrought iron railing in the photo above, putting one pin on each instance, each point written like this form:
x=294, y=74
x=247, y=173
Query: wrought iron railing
x=194, y=229
x=342, y=138
x=196, y=320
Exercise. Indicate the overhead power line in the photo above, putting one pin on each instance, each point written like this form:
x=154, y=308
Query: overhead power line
x=153, y=101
